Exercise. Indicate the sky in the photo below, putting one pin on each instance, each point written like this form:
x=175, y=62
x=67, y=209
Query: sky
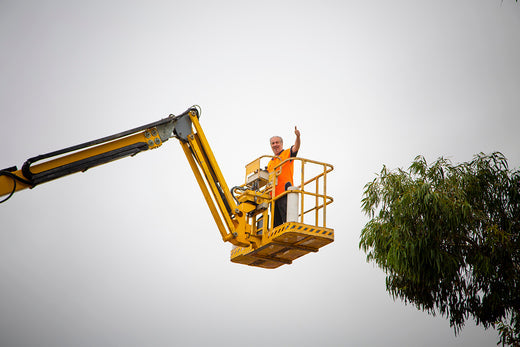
x=128, y=254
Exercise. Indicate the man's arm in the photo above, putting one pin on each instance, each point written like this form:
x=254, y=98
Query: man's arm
x=296, y=147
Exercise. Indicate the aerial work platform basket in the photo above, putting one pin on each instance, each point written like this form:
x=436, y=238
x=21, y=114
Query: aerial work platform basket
x=305, y=229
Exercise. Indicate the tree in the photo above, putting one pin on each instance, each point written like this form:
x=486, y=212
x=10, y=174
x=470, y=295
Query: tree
x=448, y=238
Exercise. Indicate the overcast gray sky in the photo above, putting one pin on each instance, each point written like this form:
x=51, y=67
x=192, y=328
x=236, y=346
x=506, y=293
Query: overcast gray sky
x=128, y=254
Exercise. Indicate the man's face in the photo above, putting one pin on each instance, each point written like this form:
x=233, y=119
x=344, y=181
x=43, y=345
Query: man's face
x=276, y=145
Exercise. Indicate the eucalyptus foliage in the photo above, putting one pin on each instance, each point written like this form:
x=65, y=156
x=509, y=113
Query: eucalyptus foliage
x=448, y=238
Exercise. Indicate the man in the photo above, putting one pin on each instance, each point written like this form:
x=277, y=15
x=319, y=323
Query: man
x=285, y=178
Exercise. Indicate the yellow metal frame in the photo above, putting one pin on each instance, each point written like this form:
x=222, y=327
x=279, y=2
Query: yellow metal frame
x=302, y=187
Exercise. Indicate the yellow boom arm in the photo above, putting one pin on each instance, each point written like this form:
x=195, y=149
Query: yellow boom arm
x=184, y=127
x=229, y=217
x=84, y=156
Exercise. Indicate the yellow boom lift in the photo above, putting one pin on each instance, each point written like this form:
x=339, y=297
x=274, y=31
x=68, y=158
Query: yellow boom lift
x=242, y=214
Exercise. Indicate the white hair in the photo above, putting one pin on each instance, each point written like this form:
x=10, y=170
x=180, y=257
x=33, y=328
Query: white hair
x=272, y=137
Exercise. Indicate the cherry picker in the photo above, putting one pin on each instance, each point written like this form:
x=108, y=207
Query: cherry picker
x=242, y=214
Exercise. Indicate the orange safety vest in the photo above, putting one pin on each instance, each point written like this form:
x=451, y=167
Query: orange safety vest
x=287, y=171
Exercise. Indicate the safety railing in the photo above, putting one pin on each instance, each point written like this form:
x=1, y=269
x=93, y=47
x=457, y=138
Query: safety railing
x=307, y=199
